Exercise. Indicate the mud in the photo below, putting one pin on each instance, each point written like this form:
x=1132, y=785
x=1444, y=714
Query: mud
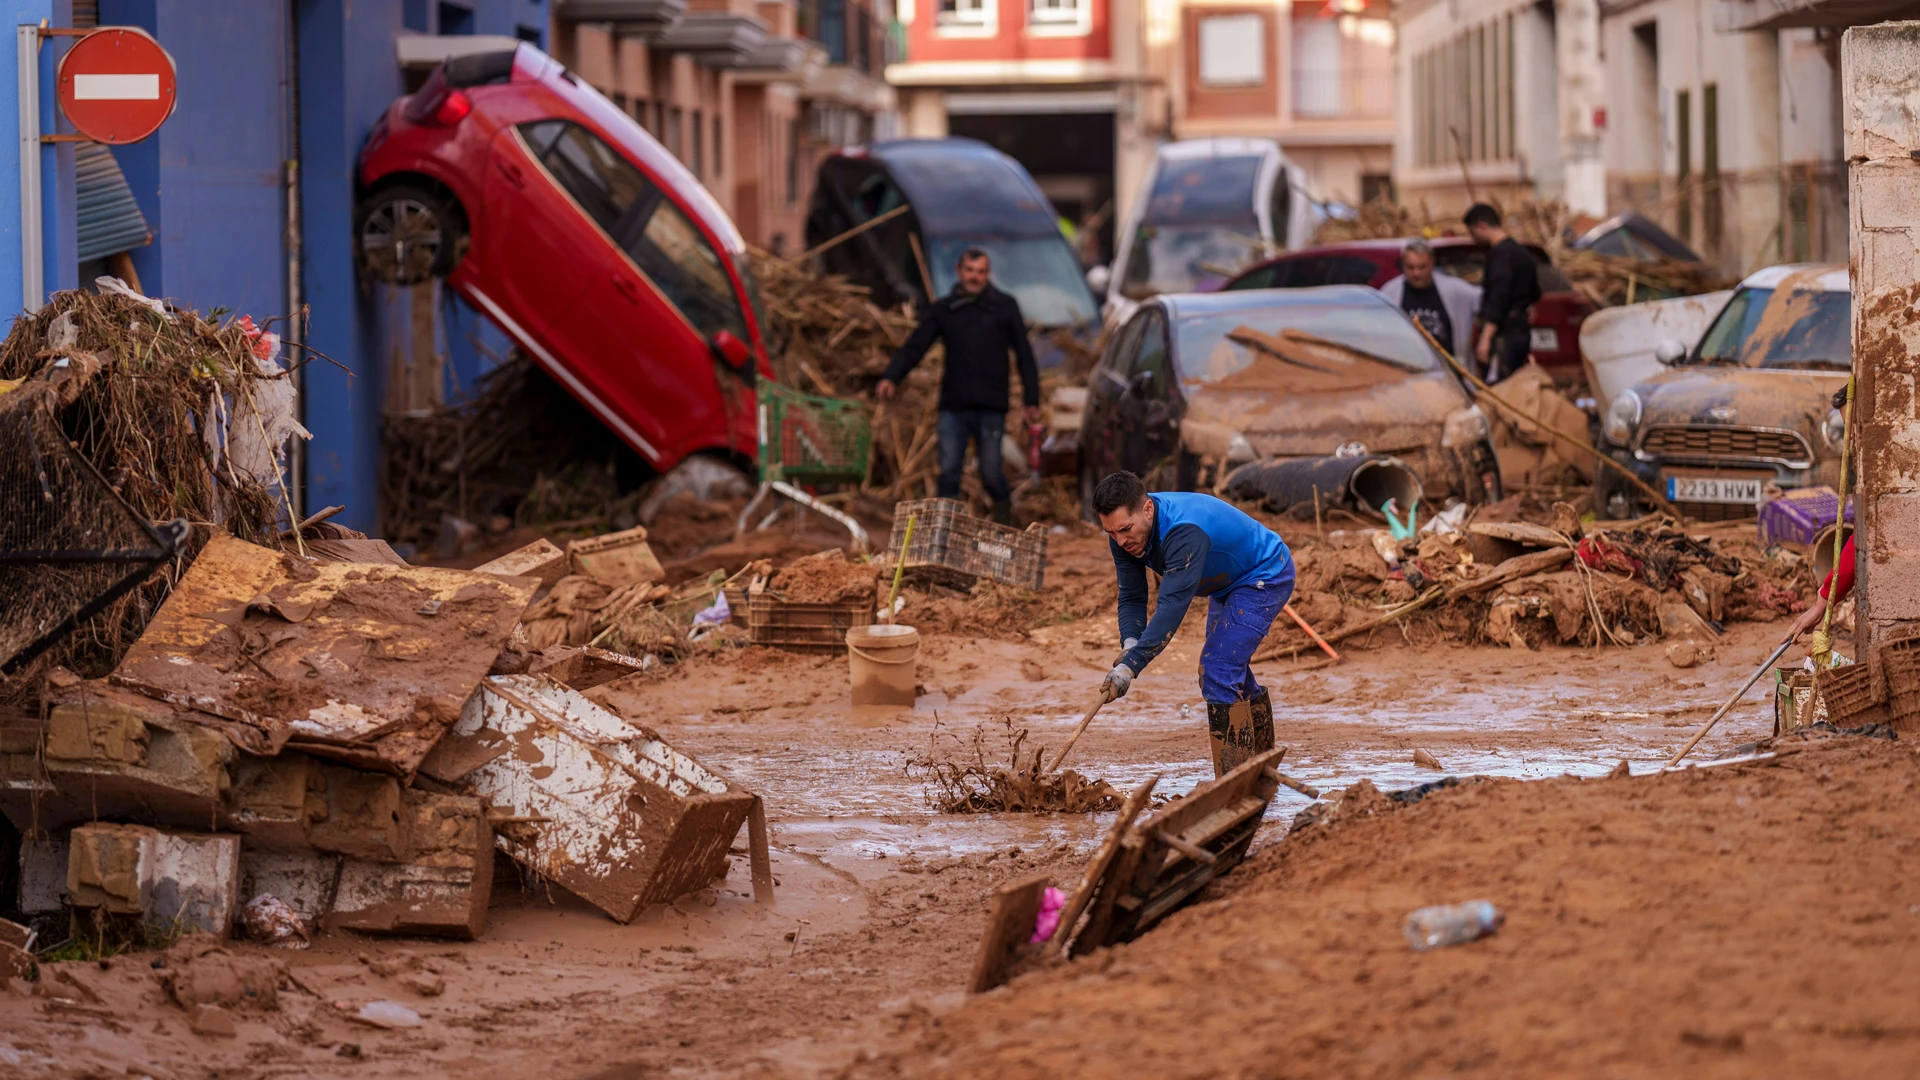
x=880, y=898
x=826, y=578
x=961, y=779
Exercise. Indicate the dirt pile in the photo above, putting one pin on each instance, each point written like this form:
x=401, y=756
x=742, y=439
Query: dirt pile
x=826, y=578
x=1637, y=937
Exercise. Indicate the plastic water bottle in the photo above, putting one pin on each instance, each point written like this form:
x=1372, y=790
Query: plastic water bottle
x=1451, y=924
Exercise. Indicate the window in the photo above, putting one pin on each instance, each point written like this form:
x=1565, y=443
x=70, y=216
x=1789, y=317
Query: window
x=1233, y=50
x=456, y=18
x=529, y=34
x=968, y=14
x=695, y=160
x=1152, y=358
x=605, y=184
x=686, y=269
x=1463, y=97
x=1059, y=16
x=793, y=161
x=674, y=145
x=718, y=163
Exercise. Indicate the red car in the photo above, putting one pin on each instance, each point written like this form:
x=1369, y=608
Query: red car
x=549, y=209
x=1555, y=318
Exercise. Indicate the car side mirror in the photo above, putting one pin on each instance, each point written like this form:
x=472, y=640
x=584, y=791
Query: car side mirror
x=731, y=349
x=1670, y=350
x=1098, y=278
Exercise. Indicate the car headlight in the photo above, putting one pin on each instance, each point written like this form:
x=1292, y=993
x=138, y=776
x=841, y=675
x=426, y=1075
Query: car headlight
x=1833, y=431
x=1623, y=416
x=1239, y=449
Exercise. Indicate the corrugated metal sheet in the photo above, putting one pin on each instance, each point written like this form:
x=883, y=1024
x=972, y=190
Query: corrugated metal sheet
x=109, y=220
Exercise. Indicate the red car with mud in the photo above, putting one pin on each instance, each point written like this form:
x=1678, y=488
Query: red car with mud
x=548, y=208
x=1555, y=319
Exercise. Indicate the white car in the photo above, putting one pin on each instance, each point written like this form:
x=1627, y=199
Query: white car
x=1747, y=406
x=1207, y=209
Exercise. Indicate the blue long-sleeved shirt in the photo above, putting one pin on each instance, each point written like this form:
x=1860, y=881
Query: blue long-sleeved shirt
x=1200, y=546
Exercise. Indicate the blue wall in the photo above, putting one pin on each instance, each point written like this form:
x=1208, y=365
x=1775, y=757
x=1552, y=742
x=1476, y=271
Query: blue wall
x=219, y=160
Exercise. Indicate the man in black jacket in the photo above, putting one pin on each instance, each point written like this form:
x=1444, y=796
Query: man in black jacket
x=979, y=324
x=1508, y=288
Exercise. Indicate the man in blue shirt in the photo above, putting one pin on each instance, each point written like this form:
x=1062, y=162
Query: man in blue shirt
x=1200, y=546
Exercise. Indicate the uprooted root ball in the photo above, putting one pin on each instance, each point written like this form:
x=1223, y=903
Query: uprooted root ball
x=960, y=780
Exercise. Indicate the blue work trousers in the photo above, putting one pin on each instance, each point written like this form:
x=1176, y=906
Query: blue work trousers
x=985, y=427
x=1237, y=622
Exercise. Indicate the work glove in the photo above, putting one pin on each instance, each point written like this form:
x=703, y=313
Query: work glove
x=1126, y=647
x=1117, y=682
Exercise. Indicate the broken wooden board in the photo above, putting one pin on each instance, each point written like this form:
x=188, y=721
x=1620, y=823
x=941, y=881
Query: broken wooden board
x=1009, y=932
x=606, y=809
x=1520, y=532
x=366, y=664
x=1092, y=878
x=583, y=668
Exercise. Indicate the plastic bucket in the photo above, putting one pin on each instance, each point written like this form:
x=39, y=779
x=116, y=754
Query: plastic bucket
x=881, y=662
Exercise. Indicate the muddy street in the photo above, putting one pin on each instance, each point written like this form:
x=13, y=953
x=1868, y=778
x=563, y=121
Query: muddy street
x=880, y=899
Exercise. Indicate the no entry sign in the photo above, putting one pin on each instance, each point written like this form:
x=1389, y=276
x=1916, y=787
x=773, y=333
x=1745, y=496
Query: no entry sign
x=116, y=85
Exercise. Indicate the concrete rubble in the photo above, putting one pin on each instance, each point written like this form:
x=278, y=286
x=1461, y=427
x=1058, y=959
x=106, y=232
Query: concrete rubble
x=260, y=749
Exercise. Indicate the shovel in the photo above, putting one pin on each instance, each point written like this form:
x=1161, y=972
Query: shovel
x=1098, y=702
x=1772, y=659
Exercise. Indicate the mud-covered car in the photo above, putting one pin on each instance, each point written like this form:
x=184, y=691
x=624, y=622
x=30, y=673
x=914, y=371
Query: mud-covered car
x=1749, y=405
x=1195, y=383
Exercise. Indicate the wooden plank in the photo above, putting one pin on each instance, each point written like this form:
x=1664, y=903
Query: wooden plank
x=1101, y=915
x=1102, y=860
x=1179, y=815
x=757, y=854
x=1009, y=928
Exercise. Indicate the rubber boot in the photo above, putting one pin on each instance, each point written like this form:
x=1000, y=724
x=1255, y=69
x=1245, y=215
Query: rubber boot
x=1003, y=513
x=1239, y=731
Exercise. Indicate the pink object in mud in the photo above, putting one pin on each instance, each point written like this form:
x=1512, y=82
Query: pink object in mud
x=1048, y=919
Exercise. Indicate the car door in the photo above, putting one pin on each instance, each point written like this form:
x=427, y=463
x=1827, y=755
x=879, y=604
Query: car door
x=1101, y=437
x=545, y=248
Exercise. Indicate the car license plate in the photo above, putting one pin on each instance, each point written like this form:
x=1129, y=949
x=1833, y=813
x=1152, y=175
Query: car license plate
x=1713, y=489
x=1544, y=339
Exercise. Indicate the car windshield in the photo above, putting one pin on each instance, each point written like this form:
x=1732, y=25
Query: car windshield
x=1206, y=353
x=1764, y=328
x=1040, y=272
x=1193, y=258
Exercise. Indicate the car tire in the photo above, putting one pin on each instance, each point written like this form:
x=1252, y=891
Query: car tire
x=407, y=234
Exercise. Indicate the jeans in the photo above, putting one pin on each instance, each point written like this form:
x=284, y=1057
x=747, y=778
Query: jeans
x=986, y=427
x=1237, y=622
x=1508, y=354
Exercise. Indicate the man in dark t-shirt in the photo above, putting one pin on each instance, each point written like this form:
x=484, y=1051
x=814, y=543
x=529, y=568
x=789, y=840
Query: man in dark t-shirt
x=1508, y=288
x=1419, y=297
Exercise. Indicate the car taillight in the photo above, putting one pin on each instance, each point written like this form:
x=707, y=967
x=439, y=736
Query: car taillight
x=453, y=109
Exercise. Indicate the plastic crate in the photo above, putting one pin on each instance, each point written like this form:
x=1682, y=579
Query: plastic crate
x=819, y=628
x=1796, y=516
x=1900, y=663
x=954, y=547
x=1848, y=692
x=807, y=439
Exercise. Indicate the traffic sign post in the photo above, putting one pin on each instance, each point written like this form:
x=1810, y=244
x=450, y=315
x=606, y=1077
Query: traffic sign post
x=116, y=85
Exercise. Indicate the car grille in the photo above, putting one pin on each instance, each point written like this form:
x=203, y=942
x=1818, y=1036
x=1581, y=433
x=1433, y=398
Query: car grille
x=1724, y=442
x=1717, y=511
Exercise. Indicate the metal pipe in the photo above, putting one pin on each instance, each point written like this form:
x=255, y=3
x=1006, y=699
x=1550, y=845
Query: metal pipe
x=33, y=270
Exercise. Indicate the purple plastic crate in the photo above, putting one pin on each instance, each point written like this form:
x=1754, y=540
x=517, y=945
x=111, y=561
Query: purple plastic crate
x=1795, y=517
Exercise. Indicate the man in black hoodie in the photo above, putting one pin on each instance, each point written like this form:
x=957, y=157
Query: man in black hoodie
x=980, y=325
x=1508, y=288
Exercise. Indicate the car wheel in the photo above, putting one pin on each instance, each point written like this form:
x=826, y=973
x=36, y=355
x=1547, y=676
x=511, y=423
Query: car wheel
x=408, y=234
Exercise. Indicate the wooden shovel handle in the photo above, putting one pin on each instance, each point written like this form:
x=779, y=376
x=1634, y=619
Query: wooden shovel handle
x=1099, y=700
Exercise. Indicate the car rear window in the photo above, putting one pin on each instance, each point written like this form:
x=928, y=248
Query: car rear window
x=1204, y=191
x=636, y=215
x=1206, y=353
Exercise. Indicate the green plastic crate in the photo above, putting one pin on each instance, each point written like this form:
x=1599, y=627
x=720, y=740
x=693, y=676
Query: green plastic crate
x=807, y=439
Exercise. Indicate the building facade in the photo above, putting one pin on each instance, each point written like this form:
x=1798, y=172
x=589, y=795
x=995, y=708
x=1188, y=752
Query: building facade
x=1081, y=92
x=1714, y=118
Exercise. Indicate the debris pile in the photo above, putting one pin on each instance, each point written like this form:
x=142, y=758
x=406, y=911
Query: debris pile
x=181, y=417
x=960, y=779
x=1526, y=585
x=309, y=733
